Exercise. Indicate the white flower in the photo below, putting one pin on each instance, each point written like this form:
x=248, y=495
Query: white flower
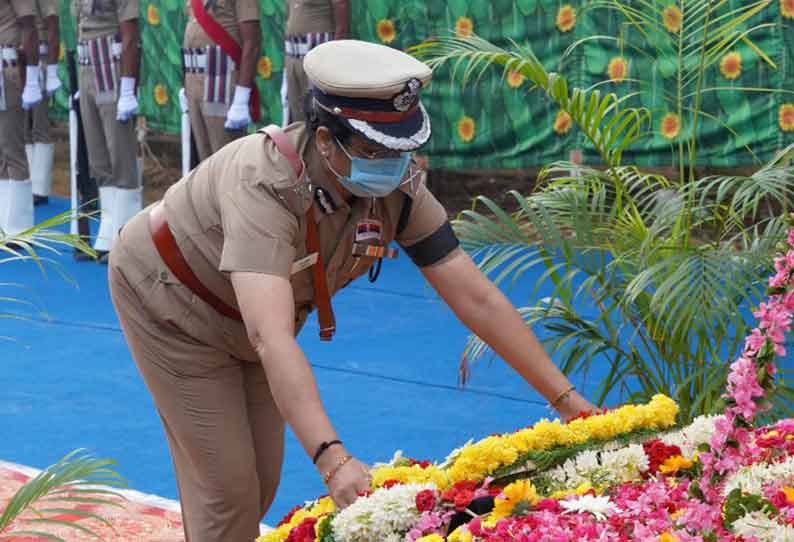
x=598, y=506
x=759, y=526
x=690, y=437
x=752, y=479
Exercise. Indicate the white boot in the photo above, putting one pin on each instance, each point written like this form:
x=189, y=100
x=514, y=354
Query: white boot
x=41, y=170
x=16, y=206
x=30, y=152
x=107, y=208
x=129, y=202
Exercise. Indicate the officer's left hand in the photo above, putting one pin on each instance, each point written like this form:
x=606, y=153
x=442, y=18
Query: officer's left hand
x=239, y=115
x=53, y=81
x=127, y=105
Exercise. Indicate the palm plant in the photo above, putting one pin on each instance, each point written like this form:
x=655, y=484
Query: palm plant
x=669, y=267
x=77, y=479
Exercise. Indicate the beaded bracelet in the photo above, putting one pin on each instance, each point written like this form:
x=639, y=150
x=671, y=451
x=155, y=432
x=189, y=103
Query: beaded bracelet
x=562, y=396
x=322, y=448
x=331, y=473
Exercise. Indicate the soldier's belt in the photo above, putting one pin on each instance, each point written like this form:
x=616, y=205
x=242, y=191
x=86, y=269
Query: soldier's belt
x=299, y=45
x=99, y=51
x=8, y=54
x=210, y=59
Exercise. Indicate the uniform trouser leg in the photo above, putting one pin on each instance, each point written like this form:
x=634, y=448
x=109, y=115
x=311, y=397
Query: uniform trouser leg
x=297, y=86
x=40, y=149
x=224, y=431
x=207, y=120
x=16, y=204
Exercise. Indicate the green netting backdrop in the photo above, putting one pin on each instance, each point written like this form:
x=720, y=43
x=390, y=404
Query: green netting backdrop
x=498, y=123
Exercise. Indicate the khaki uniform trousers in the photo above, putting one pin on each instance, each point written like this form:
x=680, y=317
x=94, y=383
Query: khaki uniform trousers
x=112, y=146
x=207, y=119
x=224, y=431
x=297, y=87
x=37, y=124
x=13, y=160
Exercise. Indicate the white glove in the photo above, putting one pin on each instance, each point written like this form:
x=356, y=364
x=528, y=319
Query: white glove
x=238, y=115
x=127, y=105
x=183, y=100
x=31, y=94
x=53, y=81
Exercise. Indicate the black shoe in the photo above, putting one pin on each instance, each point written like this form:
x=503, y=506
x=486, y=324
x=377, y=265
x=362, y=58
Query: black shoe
x=81, y=256
x=102, y=256
x=40, y=200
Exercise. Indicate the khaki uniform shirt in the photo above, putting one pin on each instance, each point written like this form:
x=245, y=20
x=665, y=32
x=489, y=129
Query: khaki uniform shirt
x=228, y=13
x=10, y=11
x=45, y=8
x=98, y=18
x=306, y=16
x=243, y=209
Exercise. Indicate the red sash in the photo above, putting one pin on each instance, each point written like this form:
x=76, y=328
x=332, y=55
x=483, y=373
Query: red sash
x=229, y=46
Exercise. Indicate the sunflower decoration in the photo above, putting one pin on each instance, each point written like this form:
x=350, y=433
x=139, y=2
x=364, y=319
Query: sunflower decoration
x=515, y=500
x=731, y=65
x=563, y=123
x=467, y=128
x=566, y=18
x=787, y=8
x=785, y=117
x=264, y=67
x=464, y=27
x=515, y=79
x=671, y=126
x=672, y=18
x=618, y=69
x=160, y=95
x=386, y=30
x=152, y=15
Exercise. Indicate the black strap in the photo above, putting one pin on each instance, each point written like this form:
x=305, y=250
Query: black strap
x=405, y=212
x=434, y=247
x=323, y=447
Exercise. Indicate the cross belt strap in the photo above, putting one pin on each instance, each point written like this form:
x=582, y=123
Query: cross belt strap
x=322, y=297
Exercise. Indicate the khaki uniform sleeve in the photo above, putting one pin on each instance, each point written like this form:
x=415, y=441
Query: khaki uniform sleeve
x=23, y=8
x=427, y=236
x=247, y=10
x=259, y=231
x=128, y=10
x=48, y=8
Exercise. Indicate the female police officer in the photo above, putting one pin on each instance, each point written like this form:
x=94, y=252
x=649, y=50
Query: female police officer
x=212, y=284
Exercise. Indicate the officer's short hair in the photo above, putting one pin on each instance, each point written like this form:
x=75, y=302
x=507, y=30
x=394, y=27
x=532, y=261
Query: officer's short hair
x=317, y=116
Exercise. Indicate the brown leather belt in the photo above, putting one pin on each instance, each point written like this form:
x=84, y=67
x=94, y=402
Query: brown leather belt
x=172, y=256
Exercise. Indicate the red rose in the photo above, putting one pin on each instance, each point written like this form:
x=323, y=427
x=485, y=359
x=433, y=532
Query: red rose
x=390, y=483
x=658, y=452
x=425, y=500
x=304, y=532
x=422, y=464
x=463, y=499
x=493, y=491
x=550, y=505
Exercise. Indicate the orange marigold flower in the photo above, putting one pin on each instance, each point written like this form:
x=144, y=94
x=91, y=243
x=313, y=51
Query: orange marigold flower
x=152, y=15
x=672, y=18
x=160, y=94
x=563, y=123
x=671, y=126
x=466, y=129
x=785, y=117
x=386, y=30
x=464, y=27
x=618, y=69
x=514, y=79
x=787, y=8
x=566, y=18
x=264, y=67
x=731, y=65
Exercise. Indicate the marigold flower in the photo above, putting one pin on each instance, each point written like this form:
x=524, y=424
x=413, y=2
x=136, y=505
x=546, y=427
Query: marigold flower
x=152, y=15
x=464, y=27
x=673, y=18
x=467, y=128
x=787, y=8
x=671, y=126
x=563, y=123
x=160, y=95
x=515, y=79
x=566, y=18
x=731, y=65
x=386, y=30
x=617, y=69
x=786, y=117
x=264, y=67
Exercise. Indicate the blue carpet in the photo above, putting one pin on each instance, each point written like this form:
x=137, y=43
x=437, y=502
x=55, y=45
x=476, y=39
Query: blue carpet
x=69, y=382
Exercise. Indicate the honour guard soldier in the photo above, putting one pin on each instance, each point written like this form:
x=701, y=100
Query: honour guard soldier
x=38, y=142
x=107, y=49
x=221, y=48
x=309, y=23
x=18, y=41
x=212, y=284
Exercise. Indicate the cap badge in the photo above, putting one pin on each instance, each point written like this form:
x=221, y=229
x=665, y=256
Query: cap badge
x=406, y=99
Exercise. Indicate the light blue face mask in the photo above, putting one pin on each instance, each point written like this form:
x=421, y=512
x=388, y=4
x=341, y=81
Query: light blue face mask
x=373, y=177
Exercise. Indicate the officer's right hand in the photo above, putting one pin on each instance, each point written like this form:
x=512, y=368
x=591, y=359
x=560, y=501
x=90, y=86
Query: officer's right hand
x=31, y=94
x=239, y=116
x=351, y=480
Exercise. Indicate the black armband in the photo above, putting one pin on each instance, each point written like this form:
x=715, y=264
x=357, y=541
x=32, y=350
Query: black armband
x=434, y=247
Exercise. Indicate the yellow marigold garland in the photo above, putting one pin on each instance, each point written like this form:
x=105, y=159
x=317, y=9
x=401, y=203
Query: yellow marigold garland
x=324, y=506
x=410, y=475
x=482, y=458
